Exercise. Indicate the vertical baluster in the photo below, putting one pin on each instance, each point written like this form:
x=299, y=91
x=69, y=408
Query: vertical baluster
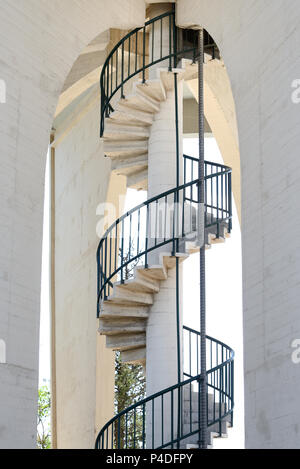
x=153, y=41
x=112, y=435
x=170, y=44
x=214, y=375
x=129, y=241
x=129, y=55
x=144, y=53
x=117, y=66
x=153, y=424
x=156, y=222
x=220, y=401
x=172, y=419
x=174, y=221
x=110, y=253
x=205, y=194
x=122, y=252
x=230, y=201
x=190, y=353
x=179, y=417
x=222, y=194
x=119, y=434
x=107, y=90
x=134, y=428
x=105, y=269
x=191, y=408
x=199, y=400
x=116, y=246
x=232, y=390
x=197, y=342
x=147, y=236
x=143, y=433
x=226, y=193
x=162, y=419
x=126, y=431
x=166, y=223
x=136, y=50
x=138, y=232
x=218, y=224
x=174, y=39
x=211, y=194
x=111, y=74
x=161, y=36
x=122, y=72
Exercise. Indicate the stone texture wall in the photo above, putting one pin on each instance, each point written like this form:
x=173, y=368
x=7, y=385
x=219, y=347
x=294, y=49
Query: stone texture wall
x=259, y=44
x=40, y=41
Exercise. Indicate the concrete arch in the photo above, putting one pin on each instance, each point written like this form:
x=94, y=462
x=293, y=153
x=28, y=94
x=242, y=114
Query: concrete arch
x=254, y=40
x=36, y=59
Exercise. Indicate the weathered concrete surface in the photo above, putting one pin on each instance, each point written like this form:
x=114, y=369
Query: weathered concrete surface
x=40, y=41
x=259, y=43
x=83, y=364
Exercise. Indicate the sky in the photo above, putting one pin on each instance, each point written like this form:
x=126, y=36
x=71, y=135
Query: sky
x=223, y=293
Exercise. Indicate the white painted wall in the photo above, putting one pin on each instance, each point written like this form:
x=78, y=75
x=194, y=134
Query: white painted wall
x=259, y=43
x=39, y=43
x=81, y=183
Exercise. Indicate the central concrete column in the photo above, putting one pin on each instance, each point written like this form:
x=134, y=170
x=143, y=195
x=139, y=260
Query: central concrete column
x=161, y=351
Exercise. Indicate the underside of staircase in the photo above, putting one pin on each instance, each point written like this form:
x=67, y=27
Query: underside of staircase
x=127, y=130
x=124, y=314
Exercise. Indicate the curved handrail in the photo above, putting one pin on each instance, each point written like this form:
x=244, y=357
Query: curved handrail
x=114, y=75
x=161, y=220
x=123, y=432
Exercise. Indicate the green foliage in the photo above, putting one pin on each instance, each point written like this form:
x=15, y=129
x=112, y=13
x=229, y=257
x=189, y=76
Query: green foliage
x=130, y=387
x=43, y=421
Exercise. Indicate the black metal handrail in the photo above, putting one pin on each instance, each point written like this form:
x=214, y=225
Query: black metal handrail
x=159, y=421
x=160, y=221
x=135, y=53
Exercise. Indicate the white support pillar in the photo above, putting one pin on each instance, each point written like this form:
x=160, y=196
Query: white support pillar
x=161, y=350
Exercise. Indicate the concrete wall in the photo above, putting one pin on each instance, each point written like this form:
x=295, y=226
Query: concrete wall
x=40, y=41
x=82, y=176
x=259, y=44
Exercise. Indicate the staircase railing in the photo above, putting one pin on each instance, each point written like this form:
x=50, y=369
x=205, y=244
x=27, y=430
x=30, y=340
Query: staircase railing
x=160, y=221
x=169, y=417
x=217, y=189
x=157, y=41
x=154, y=422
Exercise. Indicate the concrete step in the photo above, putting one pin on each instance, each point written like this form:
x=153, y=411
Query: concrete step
x=136, y=114
x=142, y=102
x=139, y=284
x=110, y=310
x=122, y=131
x=153, y=89
x=118, y=148
x=155, y=272
x=130, y=166
x=138, y=180
x=122, y=296
x=117, y=326
x=134, y=356
x=124, y=342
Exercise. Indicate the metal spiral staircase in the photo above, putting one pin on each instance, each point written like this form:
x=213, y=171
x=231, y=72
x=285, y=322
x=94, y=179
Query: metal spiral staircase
x=127, y=278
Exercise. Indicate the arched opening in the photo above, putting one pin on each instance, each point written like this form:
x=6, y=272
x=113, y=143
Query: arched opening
x=70, y=141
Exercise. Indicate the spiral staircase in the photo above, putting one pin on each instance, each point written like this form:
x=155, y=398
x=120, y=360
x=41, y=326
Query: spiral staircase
x=134, y=82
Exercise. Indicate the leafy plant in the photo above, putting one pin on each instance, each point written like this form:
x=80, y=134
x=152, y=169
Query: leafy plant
x=130, y=387
x=43, y=421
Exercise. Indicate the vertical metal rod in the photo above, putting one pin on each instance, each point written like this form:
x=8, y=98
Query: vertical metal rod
x=144, y=54
x=122, y=73
x=203, y=378
x=177, y=259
